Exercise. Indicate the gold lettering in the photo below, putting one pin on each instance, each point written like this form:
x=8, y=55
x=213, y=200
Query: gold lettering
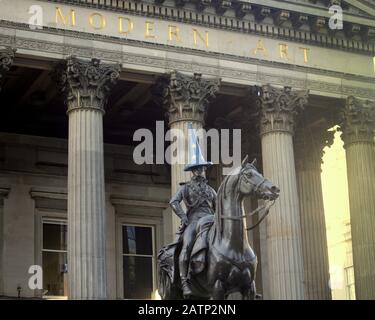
x=65, y=20
x=260, y=47
x=305, y=55
x=283, y=50
x=197, y=35
x=102, y=20
x=174, y=31
x=121, y=27
x=149, y=29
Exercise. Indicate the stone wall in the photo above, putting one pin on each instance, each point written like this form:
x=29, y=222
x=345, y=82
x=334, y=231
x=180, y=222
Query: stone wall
x=33, y=178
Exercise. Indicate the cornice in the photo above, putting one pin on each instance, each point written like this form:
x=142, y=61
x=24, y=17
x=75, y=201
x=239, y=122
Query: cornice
x=173, y=64
x=248, y=17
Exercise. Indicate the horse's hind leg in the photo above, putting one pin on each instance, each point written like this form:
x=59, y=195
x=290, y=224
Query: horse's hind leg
x=253, y=291
x=218, y=292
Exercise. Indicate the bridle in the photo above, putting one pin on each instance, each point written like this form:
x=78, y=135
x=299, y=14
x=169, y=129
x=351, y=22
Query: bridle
x=266, y=208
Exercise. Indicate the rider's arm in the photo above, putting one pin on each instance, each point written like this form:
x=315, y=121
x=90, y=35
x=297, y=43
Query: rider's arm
x=175, y=204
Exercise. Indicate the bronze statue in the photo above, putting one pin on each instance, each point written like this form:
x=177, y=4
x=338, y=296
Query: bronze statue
x=216, y=257
x=199, y=199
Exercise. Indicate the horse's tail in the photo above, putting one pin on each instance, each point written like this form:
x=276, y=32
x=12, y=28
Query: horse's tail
x=165, y=284
x=168, y=273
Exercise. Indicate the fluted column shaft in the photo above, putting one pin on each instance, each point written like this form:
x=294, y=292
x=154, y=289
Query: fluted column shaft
x=309, y=152
x=186, y=99
x=86, y=84
x=283, y=227
x=358, y=125
x=86, y=210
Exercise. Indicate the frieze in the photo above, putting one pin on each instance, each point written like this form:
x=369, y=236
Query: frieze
x=240, y=9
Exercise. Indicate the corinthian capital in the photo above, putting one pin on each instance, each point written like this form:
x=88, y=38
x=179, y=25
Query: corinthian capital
x=87, y=83
x=358, y=121
x=278, y=108
x=309, y=144
x=187, y=97
x=6, y=61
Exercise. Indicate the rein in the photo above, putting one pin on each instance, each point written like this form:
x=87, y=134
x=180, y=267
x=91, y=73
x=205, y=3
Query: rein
x=265, y=207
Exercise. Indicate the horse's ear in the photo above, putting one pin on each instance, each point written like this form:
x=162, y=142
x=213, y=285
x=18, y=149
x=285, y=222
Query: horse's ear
x=244, y=161
x=254, y=162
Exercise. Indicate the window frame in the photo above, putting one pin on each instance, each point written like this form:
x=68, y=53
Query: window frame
x=156, y=225
x=152, y=256
x=41, y=217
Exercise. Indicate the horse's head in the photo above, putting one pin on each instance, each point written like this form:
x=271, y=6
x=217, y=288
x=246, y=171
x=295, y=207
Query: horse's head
x=253, y=182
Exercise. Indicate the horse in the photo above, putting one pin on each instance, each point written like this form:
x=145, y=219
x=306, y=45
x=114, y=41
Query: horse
x=225, y=263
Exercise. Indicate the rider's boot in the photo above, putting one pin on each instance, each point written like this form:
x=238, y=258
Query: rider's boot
x=184, y=271
x=186, y=289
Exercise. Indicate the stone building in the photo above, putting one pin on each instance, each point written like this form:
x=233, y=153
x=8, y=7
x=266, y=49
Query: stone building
x=78, y=78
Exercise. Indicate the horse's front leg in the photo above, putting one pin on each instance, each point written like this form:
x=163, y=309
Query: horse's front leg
x=249, y=290
x=218, y=292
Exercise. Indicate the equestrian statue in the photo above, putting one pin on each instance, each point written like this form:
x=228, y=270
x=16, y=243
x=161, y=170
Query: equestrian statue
x=211, y=256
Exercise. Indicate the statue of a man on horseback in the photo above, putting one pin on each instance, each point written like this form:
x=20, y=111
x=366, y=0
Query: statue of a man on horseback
x=212, y=257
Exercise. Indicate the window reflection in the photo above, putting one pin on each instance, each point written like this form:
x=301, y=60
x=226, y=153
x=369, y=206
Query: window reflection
x=54, y=258
x=138, y=262
x=137, y=240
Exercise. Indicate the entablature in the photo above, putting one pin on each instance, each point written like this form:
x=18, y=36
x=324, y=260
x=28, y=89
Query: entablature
x=301, y=21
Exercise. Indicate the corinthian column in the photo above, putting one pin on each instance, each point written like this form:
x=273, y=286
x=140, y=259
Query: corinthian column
x=86, y=84
x=186, y=100
x=309, y=145
x=357, y=126
x=6, y=61
x=278, y=108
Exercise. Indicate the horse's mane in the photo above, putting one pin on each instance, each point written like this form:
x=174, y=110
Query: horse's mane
x=221, y=195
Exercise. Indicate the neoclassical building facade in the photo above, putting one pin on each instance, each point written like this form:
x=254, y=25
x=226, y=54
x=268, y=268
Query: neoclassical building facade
x=78, y=78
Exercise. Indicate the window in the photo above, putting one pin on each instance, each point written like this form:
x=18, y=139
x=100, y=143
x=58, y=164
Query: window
x=54, y=257
x=138, y=261
x=349, y=279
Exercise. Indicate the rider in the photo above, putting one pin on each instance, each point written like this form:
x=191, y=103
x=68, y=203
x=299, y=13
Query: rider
x=199, y=199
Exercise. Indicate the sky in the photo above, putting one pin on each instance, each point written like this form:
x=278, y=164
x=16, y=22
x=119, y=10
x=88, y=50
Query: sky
x=337, y=214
